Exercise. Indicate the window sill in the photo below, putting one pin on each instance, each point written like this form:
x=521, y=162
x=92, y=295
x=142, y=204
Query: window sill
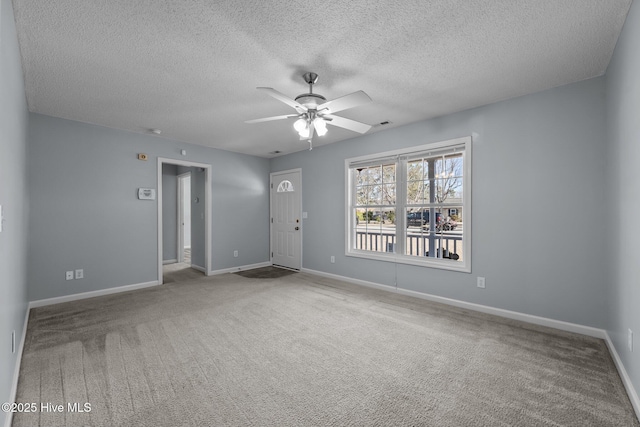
x=400, y=259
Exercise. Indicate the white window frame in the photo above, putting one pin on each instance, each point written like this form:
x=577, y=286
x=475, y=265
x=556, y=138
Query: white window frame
x=400, y=257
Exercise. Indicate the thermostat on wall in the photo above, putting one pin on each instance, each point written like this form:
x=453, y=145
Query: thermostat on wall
x=146, y=194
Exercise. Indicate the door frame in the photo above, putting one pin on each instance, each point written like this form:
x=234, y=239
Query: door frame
x=207, y=210
x=271, y=190
x=180, y=239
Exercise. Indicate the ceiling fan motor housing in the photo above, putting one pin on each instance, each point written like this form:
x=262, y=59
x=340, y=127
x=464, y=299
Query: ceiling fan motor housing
x=311, y=100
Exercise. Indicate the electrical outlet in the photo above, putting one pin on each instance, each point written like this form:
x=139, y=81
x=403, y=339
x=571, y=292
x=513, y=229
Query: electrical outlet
x=80, y=274
x=630, y=340
x=481, y=282
x=235, y=254
x=69, y=275
x=333, y=259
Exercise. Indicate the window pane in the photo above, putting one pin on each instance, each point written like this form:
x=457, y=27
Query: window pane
x=416, y=218
x=389, y=173
x=417, y=182
x=361, y=198
x=389, y=194
x=375, y=230
x=448, y=166
x=415, y=170
x=415, y=242
x=440, y=239
x=375, y=175
x=448, y=190
x=375, y=194
x=417, y=192
x=285, y=186
x=359, y=217
x=426, y=195
x=360, y=176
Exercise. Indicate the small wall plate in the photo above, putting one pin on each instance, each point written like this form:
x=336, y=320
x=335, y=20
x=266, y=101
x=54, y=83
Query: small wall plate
x=146, y=194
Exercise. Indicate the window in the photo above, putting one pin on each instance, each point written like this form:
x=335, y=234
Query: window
x=412, y=206
x=285, y=187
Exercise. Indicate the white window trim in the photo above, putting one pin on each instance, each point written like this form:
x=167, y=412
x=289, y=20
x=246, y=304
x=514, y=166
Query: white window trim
x=465, y=265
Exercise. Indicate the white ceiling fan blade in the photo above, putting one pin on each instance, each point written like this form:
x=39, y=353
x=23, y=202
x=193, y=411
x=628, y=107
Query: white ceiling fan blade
x=268, y=119
x=344, y=102
x=281, y=97
x=347, y=123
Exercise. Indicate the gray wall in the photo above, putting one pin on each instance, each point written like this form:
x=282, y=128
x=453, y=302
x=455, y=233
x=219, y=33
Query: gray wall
x=13, y=198
x=169, y=212
x=538, y=217
x=85, y=212
x=623, y=189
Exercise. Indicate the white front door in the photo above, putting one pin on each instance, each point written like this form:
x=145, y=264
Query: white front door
x=286, y=219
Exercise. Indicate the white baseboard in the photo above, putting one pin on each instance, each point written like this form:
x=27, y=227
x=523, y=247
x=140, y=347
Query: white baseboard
x=240, y=268
x=626, y=380
x=528, y=318
x=16, y=372
x=197, y=267
x=91, y=294
x=169, y=261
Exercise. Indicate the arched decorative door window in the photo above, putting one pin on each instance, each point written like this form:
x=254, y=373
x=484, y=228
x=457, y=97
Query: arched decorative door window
x=285, y=186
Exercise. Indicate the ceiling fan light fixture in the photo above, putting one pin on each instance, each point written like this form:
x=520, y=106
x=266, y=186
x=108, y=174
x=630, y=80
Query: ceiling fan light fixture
x=300, y=125
x=304, y=133
x=321, y=126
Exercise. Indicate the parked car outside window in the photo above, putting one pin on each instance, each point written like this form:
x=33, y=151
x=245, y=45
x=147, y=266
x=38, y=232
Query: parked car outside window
x=421, y=219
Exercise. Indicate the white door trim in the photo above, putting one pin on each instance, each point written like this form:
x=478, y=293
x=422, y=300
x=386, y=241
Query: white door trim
x=207, y=209
x=271, y=189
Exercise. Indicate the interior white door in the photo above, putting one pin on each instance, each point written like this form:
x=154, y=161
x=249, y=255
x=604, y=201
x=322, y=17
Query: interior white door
x=184, y=214
x=286, y=219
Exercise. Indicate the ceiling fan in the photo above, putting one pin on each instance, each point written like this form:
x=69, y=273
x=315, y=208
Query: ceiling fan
x=314, y=112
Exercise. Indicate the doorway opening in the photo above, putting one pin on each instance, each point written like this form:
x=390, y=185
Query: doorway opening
x=184, y=220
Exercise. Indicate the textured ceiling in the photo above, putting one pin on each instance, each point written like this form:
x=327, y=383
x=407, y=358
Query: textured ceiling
x=191, y=68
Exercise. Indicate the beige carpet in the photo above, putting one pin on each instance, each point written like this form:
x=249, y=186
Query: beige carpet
x=307, y=351
x=180, y=272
